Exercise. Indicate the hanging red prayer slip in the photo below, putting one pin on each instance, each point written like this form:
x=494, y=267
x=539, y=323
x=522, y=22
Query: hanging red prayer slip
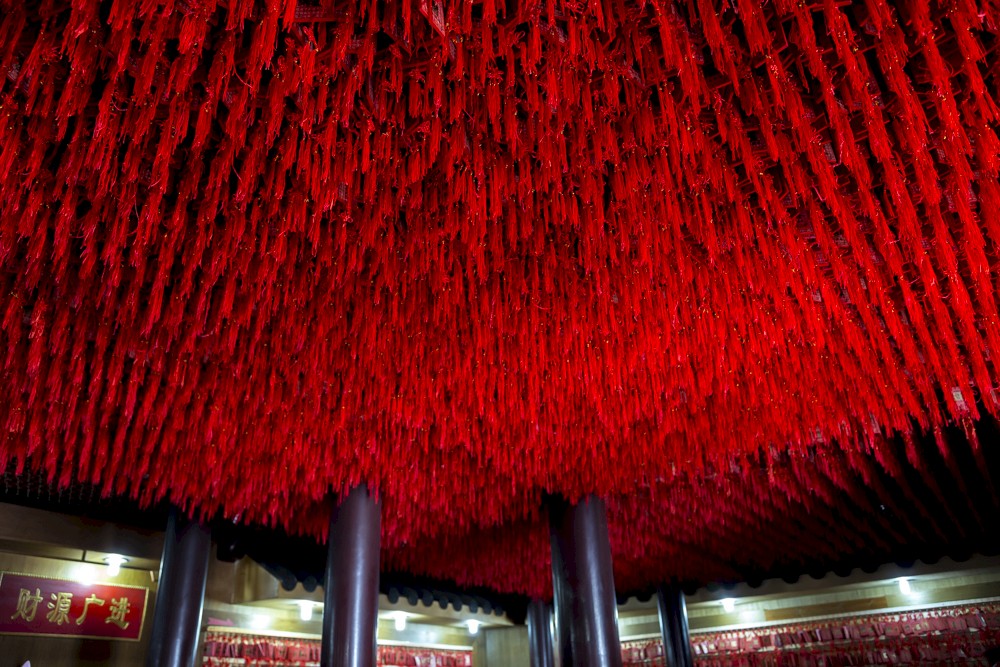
x=473, y=252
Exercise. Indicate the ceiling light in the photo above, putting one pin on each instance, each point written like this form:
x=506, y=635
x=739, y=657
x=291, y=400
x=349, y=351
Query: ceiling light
x=400, y=622
x=259, y=622
x=115, y=563
x=729, y=604
x=85, y=574
x=473, y=626
x=904, y=587
x=305, y=610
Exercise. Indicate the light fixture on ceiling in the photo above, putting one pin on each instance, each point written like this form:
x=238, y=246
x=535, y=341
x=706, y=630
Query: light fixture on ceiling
x=85, y=574
x=259, y=622
x=728, y=605
x=305, y=610
x=473, y=626
x=400, y=621
x=115, y=563
x=904, y=586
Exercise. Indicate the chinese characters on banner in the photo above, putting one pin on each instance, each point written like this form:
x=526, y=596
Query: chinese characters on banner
x=43, y=606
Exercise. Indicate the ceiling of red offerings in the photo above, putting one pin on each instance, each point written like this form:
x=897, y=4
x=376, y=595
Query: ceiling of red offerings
x=724, y=263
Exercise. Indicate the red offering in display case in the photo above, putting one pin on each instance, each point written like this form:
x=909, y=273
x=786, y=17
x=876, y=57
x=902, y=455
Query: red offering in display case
x=33, y=605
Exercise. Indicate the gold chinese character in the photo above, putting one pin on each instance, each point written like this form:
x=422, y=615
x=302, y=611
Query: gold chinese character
x=60, y=608
x=27, y=604
x=93, y=599
x=119, y=610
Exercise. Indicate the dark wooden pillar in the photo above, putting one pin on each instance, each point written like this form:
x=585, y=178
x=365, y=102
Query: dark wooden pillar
x=350, y=594
x=586, y=613
x=540, y=634
x=562, y=597
x=674, y=626
x=180, y=596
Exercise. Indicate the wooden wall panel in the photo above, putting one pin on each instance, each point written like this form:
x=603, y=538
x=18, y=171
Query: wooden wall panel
x=502, y=647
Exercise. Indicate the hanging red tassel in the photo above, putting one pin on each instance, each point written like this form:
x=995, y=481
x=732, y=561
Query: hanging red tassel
x=475, y=252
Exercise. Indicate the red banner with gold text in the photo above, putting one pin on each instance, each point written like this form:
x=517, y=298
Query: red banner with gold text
x=36, y=605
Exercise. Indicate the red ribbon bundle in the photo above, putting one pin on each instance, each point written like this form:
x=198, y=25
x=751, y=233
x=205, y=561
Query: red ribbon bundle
x=956, y=635
x=471, y=252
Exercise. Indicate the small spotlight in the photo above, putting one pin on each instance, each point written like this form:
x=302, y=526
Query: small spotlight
x=85, y=575
x=115, y=563
x=473, y=626
x=305, y=610
x=728, y=604
x=904, y=587
x=400, y=622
